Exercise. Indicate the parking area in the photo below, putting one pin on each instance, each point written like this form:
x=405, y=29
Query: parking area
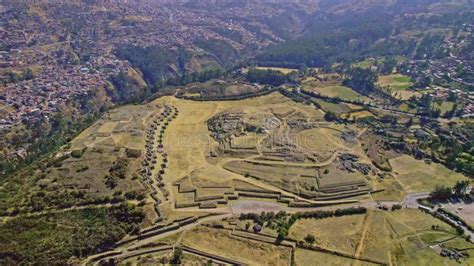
x=462, y=209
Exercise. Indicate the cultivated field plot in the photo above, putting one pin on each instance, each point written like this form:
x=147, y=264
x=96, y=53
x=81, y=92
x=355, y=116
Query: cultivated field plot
x=360, y=114
x=338, y=108
x=416, y=175
x=399, y=85
x=218, y=241
x=280, y=69
x=339, y=91
x=445, y=106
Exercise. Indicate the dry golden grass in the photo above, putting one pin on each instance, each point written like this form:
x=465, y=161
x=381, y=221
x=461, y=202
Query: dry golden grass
x=393, y=191
x=360, y=114
x=305, y=257
x=281, y=69
x=337, y=233
x=416, y=175
x=106, y=128
x=220, y=242
x=188, y=140
x=403, y=236
x=321, y=140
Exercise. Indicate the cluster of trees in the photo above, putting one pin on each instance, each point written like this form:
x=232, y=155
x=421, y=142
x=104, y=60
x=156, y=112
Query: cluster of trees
x=364, y=81
x=327, y=98
x=126, y=89
x=425, y=106
x=162, y=67
x=388, y=65
x=228, y=33
x=12, y=77
x=25, y=240
x=221, y=49
x=117, y=171
x=190, y=77
x=361, y=80
x=451, y=146
x=332, y=38
x=43, y=136
x=268, y=76
x=330, y=116
x=443, y=193
x=298, y=97
x=43, y=199
x=242, y=96
x=153, y=61
x=77, y=154
x=177, y=256
x=430, y=47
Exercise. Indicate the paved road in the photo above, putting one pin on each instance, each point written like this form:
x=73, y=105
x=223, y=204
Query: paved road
x=411, y=200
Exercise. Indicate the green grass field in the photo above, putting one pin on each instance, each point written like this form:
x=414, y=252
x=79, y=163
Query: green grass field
x=445, y=106
x=398, y=84
x=339, y=108
x=342, y=92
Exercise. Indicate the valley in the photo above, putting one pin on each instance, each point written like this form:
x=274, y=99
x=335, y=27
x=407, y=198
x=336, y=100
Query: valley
x=236, y=132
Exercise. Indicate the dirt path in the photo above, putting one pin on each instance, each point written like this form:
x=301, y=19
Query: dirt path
x=360, y=246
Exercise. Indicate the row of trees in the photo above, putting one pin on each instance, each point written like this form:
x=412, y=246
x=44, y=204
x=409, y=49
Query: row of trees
x=283, y=221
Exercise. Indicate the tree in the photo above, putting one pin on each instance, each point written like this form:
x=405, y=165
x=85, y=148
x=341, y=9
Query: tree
x=282, y=233
x=310, y=239
x=177, y=256
x=396, y=207
x=361, y=80
x=388, y=65
x=28, y=75
x=441, y=193
x=330, y=116
x=460, y=188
